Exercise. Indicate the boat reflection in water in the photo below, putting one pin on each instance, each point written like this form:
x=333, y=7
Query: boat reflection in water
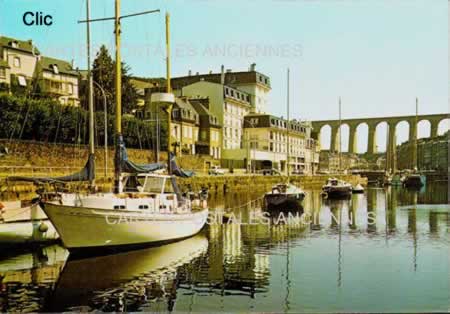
x=126, y=281
x=27, y=278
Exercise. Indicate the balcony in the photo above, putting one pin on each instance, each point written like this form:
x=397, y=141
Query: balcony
x=55, y=87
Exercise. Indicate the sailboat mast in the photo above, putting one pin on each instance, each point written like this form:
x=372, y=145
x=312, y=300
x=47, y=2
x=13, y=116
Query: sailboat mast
x=339, y=134
x=168, y=90
x=414, y=152
x=118, y=84
x=287, y=127
x=90, y=98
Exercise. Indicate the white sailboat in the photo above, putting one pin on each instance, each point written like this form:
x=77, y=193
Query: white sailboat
x=145, y=208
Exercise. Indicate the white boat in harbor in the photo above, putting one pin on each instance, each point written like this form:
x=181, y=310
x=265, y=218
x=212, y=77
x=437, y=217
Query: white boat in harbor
x=155, y=214
x=335, y=188
x=284, y=195
x=24, y=224
x=145, y=209
x=357, y=189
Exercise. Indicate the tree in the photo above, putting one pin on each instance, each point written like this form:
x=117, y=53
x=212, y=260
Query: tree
x=103, y=72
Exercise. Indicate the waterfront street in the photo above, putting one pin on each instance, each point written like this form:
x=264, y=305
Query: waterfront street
x=396, y=264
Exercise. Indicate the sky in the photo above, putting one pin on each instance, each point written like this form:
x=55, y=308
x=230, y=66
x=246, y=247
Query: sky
x=378, y=56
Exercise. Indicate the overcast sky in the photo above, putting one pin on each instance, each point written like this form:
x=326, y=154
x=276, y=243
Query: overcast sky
x=377, y=55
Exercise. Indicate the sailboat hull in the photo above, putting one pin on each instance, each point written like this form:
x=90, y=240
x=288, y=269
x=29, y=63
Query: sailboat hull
x=84, y=228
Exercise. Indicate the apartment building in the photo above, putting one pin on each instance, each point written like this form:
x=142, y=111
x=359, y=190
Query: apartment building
x=23, y=69
x=254, y=84
x=266, y=139
x=230, y=105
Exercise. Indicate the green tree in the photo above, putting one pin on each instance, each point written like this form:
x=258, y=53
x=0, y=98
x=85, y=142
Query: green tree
x=103, y=72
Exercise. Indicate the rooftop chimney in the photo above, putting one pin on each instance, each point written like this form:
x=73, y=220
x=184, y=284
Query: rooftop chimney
x=222, y=75
x=253, y=67
x=189, y=72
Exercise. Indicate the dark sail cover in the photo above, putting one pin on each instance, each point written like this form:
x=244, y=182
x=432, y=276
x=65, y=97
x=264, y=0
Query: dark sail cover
x=85, y=174
x=174, y=169
x=131, y=167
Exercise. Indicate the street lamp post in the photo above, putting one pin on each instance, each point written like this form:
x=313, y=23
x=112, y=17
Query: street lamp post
x=250, y=150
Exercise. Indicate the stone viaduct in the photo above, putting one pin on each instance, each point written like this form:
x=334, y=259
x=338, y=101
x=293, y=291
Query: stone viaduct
x=372, y=124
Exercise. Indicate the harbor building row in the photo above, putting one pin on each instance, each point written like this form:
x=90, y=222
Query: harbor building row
x=247, y=136
x=223, y=115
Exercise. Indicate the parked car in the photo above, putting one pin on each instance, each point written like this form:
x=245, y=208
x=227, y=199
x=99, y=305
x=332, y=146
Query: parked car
x=269, y=172
x=215, y=171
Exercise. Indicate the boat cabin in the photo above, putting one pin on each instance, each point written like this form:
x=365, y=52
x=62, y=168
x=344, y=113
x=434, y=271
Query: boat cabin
x=149, y=183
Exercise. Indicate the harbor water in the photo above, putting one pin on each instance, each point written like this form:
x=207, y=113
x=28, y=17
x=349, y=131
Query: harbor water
x=384, y=250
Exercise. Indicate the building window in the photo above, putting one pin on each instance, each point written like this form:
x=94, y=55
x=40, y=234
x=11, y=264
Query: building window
x=70, y=88
x=17, y=62
x=22, y=80
x=2, y=72
x=55, y=85
x=55, y=68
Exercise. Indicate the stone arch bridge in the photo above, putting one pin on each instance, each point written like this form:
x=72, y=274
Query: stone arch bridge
x=372, y=124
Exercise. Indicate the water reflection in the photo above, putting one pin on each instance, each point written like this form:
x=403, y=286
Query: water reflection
x=126, y=281
x=27, y=278
x=388, y=244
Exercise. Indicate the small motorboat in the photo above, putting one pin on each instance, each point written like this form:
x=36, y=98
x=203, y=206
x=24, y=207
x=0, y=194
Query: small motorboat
x=284, y=196
x=414, y=180
x=335, y=188
x=358, y=189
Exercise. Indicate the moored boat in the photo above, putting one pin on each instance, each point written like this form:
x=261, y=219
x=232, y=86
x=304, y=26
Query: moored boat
x=414, y=180
x=155, y=212
x=358, y=189
x=284, y=195
x=145, y=208
x=24, y=224
x=335, y=188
